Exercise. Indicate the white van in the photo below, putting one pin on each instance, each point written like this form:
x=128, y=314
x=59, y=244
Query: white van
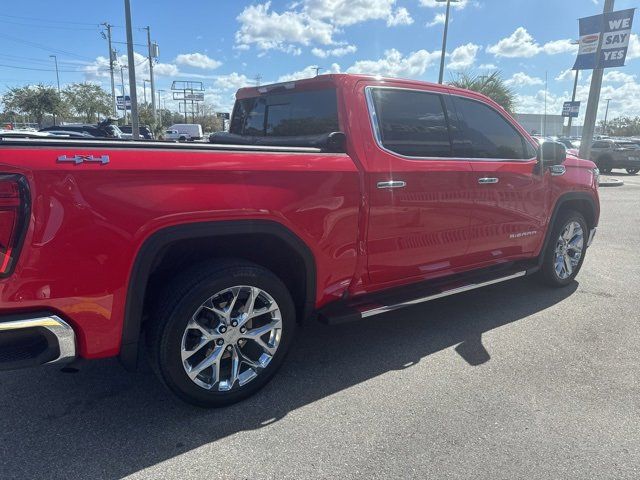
x=187, y=131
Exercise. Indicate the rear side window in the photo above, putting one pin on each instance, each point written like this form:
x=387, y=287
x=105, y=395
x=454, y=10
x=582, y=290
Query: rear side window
x=600, y=145
x=488, y=134
x=286, y=114
x=411, y=123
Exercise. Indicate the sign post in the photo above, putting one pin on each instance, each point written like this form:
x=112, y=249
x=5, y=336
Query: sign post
x=604, y=40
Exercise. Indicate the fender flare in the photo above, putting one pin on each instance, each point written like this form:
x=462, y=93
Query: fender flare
x=570, y=196
x=156, y=242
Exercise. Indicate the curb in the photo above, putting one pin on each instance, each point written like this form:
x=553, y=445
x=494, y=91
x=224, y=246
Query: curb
x=610, y=182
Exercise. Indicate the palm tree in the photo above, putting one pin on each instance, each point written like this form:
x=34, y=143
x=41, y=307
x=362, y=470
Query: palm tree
x=493, y=86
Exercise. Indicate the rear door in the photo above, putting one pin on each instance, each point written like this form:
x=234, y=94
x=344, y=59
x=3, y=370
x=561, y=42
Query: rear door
x=510, y=200
x=419, y=194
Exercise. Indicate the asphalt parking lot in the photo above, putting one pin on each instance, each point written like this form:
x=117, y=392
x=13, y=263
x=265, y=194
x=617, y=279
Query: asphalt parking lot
x=513, y=381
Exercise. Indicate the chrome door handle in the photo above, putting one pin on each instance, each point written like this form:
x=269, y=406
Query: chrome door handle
x=392, y=184
x=485, y=180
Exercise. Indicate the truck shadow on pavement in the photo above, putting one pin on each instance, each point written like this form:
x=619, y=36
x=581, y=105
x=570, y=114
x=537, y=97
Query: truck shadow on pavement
x=105, y=423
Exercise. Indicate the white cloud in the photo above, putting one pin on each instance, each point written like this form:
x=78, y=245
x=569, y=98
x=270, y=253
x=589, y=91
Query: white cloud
x=559, y=46
x=488, y=66
x=521, y=79
x=307, y=72
x=394, y=64
x=567, y=74
x=463, y=56
x=616, y=76
x=98, y=70
x=310, y=22
x=232, y=81
x=438, y=19
x=520, y=44
x=334, y=52
x=197, y=60
x=270, y=30
x=400, y=17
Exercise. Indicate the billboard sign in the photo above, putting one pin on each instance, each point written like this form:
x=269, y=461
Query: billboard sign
x=223, y=115
x=610, y=30
x=570, y=109
x=123, y=101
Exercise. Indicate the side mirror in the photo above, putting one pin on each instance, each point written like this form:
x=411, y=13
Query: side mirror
x=336, y=142
x=552, y=153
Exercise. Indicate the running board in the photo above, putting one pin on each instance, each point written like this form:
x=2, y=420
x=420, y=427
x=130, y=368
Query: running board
x=358, y=309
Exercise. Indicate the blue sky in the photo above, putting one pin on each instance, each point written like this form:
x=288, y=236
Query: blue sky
x=226, y=44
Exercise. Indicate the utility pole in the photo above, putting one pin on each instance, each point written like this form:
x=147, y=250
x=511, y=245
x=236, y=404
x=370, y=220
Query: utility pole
x=152, y=48
x=606, y=113
x=55, y=59
x=135, y=125
x=257, y=78
x=594, y=96
x=573, y=99
x=124, y=93
x=444, y=38
x=317, y=69
x=111, y=68
x=144, y=89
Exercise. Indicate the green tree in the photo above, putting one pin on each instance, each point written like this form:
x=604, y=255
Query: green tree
x=87, y=100
x=35, y=101
x=493, y=86
x=621, y=126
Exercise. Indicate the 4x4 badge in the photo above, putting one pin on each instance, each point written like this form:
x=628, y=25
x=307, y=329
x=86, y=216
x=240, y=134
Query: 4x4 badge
x=78, y=159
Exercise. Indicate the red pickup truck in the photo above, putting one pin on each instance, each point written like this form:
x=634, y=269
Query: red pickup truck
x=338, y=198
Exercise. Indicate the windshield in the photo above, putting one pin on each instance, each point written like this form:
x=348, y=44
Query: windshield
x=287, y=114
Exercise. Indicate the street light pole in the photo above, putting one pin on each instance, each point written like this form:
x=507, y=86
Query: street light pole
x=444, y=38
x=144, y=89
x=135, y=125
x=124, y=93
x=606, y=113
x=111, y=65
x=55, y=59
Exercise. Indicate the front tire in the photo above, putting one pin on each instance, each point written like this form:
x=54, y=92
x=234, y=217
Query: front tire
x=221, y=332
x=565, y=251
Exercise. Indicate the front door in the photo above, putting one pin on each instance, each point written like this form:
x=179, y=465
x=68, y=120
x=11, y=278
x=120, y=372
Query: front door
x=420, y=196
x=509, y=189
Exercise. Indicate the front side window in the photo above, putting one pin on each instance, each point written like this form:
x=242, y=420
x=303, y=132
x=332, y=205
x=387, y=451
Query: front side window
x=286, y=114
x=487, y=133
x=411, y=123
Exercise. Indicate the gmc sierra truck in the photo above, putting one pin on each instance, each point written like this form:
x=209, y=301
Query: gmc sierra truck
x=336, y=198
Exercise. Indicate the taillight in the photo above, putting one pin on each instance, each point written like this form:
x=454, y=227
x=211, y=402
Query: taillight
x=14, y=211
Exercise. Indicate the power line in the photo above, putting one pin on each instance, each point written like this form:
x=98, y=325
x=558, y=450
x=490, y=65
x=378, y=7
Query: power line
x=98, y=68
x=57, y=27
x=43, y=47
x=47, y=20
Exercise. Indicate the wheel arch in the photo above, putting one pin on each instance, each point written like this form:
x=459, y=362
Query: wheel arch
x=155, y=248
x=582, y=202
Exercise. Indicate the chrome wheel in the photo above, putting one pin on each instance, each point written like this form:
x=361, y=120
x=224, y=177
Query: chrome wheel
x=568, y=250
x=231, y=338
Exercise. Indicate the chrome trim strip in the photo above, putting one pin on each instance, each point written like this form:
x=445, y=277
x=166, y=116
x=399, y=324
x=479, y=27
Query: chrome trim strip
x=62, y=330
x=373, y=118
x=487, y=180
x=453, y=291
x=592, y=234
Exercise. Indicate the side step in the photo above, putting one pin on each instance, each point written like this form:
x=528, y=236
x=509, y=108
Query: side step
x=370, y=305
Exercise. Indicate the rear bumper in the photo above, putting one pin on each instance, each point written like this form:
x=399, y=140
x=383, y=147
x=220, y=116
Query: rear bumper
x=34, y=340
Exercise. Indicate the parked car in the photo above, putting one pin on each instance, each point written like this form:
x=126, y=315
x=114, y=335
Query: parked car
x=365, y=195
x=104, y=129
x=610, y=153
x=187, y=131
x=145, y=132
x=174, y=136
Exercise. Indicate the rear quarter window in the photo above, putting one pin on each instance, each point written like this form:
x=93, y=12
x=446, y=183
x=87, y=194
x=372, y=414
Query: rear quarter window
x=286, y=114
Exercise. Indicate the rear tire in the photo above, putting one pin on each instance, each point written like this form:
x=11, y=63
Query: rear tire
x=185, y=332
x=633, y=171
x=564, y=254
